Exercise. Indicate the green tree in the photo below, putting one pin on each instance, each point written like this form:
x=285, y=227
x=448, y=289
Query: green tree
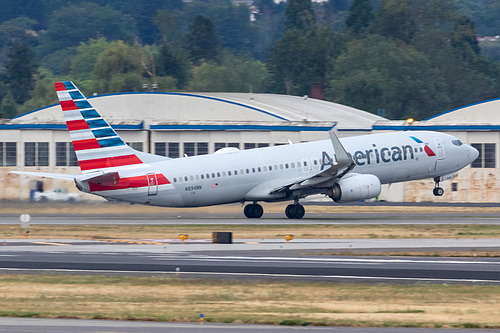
x=360, y=16
x=395, y=20
x=464, y=39
x=19, y=70
x=300, y=15
x=201, y=42
x=167, y=23
x=171, y=62
x=71, y=25
x=82, y=64
x=395, y=77
x=230, y=73
x=8, y=106
x=118, y=69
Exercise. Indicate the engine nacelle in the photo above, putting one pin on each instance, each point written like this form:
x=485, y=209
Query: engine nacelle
x=355, y=187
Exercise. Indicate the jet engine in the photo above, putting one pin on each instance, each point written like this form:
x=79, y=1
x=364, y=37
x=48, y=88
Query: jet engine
x=355, y=187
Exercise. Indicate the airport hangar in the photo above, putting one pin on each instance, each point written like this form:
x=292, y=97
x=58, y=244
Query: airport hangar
x=179, y=124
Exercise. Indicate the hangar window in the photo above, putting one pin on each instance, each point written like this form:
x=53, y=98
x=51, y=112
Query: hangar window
x=220, y=145
x=487, y=155
x=250, y=145
x=135, y=145
x=161, y=148
x=195, y=148
x=169, y=149
x=8, y=153
x=65, y=154
x=36, y=154
x=262, y=145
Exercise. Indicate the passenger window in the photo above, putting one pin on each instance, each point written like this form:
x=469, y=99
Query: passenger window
x=265, y=168
x=202, y=176
x=293, y=165
x=281, y=166
x=191, y=178
x=175, y=180
x=286, y=165
x=197, y=177
x=218, y=174
x=248, y=171
x=208, y=176
x=258, y=169
x=253, y=170
x=213, y=175
x=270, y=168
x=235, y=172
x=185, y=178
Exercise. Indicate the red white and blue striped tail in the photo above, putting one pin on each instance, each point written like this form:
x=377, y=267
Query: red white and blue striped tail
x=96, y=144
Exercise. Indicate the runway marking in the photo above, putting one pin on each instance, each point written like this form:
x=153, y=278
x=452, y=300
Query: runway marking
x=441, y=280
x=343, y=260
x=49, y=243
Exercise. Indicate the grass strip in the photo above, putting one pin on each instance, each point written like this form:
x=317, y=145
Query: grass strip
x=303, y=231
x=162, y=298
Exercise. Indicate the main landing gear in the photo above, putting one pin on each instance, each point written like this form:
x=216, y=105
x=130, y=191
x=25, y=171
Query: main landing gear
x=293, y=211
x=253, y=211
x=437, y=191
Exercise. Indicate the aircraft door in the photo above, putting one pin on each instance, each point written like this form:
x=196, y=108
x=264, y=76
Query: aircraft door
x=439, y=148
x=152, y=184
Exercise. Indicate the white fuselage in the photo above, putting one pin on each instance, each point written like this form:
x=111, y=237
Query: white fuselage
x=250, y=175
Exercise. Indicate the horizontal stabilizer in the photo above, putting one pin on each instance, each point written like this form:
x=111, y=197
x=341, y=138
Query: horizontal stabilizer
x=46, y=175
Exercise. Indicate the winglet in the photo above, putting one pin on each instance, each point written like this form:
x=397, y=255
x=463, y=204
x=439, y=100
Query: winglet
x=341, y=154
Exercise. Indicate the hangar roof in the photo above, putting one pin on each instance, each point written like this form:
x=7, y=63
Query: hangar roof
x=482, y=116
x=160, y=109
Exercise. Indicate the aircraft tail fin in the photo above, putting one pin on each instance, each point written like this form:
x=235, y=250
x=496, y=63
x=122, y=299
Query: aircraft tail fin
x=96, y=144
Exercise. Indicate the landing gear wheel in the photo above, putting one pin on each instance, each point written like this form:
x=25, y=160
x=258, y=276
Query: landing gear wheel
x=438, y=191
x=253, y=211
x=295, y=211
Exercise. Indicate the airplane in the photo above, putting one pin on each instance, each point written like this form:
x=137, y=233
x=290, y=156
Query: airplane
x=350, y=169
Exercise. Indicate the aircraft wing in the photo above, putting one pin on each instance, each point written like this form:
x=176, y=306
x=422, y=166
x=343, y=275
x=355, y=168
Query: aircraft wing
x=342, y=165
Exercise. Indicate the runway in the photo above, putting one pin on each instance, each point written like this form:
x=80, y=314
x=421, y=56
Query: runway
x=256, y=259
x=270, y=219
x=35, y=325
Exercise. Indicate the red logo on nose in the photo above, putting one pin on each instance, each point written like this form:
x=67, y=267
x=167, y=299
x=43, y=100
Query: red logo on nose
x=429, y=151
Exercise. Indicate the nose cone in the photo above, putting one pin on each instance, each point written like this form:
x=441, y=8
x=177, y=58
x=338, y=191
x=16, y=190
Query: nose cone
x=474, y=154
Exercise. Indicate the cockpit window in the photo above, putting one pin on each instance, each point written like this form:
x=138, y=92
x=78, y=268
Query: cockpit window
x=457, y=142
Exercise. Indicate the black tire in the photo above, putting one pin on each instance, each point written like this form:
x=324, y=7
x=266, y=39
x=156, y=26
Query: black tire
x=298, y=211
x=257, y=211
x=288, y=211
x=248, y=211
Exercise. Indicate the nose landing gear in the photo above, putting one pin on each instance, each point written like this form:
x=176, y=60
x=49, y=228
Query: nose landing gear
x=437, y=191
